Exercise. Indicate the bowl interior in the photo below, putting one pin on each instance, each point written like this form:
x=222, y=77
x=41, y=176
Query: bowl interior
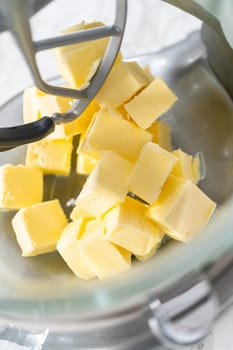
x=201, y=120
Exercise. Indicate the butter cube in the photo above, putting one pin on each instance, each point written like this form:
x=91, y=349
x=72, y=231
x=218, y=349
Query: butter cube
x=39, y=227
x=161, y=134
x=148, y=72
x=151, y=171
x=106, y=187
x=182, y=209
x=123, y=82
x=107, y=259
x=85, y=164
x=123, y=114
x=87, y=54
x=115, y=112
x=51, y=156
x=198, y=167
x=185, y=166
x=70, y=249
x=150, y=103
x=20, y=186
x=78, y=27
x=127, y=226
x=31, y=111
x=149, y=255
x=106, y=132
x=37, y=104
x=49, y=104
x=81, y=123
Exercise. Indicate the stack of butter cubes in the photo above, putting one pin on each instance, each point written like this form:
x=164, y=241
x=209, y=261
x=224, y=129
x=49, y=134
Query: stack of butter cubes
x=137, y=189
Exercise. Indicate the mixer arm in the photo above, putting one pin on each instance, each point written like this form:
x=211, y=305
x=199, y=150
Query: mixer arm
x=22, y=134
x=16, y=18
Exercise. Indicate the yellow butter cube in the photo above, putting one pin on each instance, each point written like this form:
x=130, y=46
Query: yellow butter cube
x=151, y=171
x=37, y=104
x=107, y=259
x=182, y=209
x=149, y=255
x=119, y=112
x=148, y=72
x=123, y=82
x=49, y=104
x=123, y=114
x=87, y=54
x=161, y=134
x=70, y=249
x=77, y=27
x=127, y=226
x=100, y=44
x=150, y=103
x=81, y=123
x=51, y=156
x=20, y=186
x=107, y=132
x=85, y=164
x=31, y=110
x=114, y=112
x=106, y=186
x=39, y=227
x=185, y=166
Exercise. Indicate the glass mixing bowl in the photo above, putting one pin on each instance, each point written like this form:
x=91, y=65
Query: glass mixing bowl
x=40, y=293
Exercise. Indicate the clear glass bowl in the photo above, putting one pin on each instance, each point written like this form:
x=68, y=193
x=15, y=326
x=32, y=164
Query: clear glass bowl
x=41, y=291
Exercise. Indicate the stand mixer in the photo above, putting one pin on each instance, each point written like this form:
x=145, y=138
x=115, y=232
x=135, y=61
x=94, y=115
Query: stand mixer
x=167, y=327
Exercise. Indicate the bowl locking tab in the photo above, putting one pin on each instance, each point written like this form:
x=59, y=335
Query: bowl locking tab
x=184, y=316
